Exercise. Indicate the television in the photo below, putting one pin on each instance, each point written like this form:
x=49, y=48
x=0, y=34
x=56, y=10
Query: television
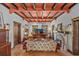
x=39, y=30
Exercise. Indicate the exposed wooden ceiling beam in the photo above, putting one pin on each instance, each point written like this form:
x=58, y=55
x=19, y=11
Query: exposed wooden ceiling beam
x=34, y=7
x=14, y=5
x=44, y=6
x=20, y=6
x=59, y=14
x=55, y=14
x=37, y=14
x=21, y=16
x=72, y=5
x=54, y=6
x=63, y=6
x=9, y=5
x=28, y=11
x=24, y=6
x=30, y=14
x=42, y=14
x=51, y=9
x=48, y=14
x=24, y=14
x=53, y=17
x=6, y=6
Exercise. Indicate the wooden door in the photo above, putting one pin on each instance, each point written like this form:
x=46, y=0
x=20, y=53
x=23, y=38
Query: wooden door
x=76, y=37
x=17, y=33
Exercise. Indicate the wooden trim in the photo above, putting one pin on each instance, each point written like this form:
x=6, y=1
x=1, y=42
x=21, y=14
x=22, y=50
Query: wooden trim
x=75, y=18
x=69, y=51
x=39, y=51
x=4, y=30
x=19, y=32
x=75, y=36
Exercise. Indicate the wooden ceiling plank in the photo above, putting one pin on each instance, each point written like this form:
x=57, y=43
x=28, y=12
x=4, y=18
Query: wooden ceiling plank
x=51, y=10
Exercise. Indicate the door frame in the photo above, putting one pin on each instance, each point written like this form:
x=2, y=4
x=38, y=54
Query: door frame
x=14, y=22
x=73, y=51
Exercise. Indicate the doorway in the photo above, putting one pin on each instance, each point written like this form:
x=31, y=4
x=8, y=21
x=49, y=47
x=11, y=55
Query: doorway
x=17, y=33
x=76, y=36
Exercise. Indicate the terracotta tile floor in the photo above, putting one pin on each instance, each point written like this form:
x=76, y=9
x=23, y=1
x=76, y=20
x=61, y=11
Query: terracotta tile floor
x=18, y=51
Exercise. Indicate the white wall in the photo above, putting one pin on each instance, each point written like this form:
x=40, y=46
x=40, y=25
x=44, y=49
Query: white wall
x=74, y=12
x=66, y=19
x=9, y=18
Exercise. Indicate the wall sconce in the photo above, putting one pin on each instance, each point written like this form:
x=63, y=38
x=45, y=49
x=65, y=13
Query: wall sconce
x=25, y=33
x=7, y=26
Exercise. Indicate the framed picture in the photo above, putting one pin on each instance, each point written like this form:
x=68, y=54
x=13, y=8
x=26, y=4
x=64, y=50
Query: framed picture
x=52, y=27
x=1, y=21
x=59, y=27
